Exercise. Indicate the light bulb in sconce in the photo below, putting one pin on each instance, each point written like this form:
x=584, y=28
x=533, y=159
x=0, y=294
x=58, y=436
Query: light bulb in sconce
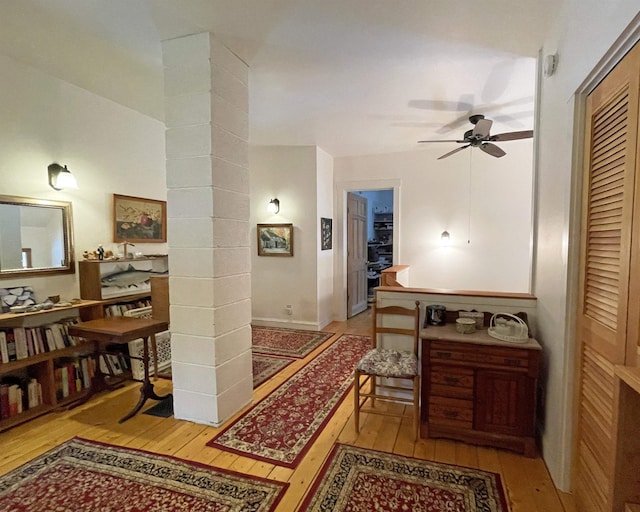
x=61, y=177
x=445, y=237
x=273, y=206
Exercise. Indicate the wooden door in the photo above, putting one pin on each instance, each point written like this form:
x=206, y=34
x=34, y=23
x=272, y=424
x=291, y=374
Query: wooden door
x=608, y=309
x=356, y=254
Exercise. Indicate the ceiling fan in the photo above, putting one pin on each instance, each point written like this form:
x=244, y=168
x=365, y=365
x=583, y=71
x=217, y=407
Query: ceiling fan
x=479, y=137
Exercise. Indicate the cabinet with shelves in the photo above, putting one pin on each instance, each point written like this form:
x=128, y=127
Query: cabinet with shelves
x=37, y=372
x=478, y=389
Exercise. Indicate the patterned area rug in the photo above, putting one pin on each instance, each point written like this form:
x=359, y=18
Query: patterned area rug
x=286, y=342
x=265, y=367
x=281, y=428
x=82, y=475
x=361, y=480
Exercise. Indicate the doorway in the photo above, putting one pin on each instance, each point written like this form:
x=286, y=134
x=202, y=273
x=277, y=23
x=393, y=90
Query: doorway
x=377, y=246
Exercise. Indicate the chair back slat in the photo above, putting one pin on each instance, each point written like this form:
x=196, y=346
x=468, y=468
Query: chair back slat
x=394, y=311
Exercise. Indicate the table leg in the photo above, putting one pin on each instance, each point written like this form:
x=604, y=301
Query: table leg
x=146, y=391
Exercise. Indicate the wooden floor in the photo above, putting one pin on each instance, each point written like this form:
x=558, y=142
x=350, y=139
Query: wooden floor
x=528, y=485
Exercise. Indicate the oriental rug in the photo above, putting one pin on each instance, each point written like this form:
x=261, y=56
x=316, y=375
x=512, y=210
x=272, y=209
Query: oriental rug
x=286, y=342
x=281, y=428
x=360, y=480
x=82, y=475
x=265, y=367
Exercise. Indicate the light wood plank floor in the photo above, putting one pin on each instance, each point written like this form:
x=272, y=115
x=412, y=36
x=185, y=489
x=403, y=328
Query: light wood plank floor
x=529, y=487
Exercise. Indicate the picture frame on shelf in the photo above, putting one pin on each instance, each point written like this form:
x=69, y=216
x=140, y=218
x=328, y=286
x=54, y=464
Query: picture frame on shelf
x=326, y=233
x=139, y=220
x=275, y=239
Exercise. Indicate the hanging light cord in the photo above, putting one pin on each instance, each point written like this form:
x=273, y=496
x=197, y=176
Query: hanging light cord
x=469, y=203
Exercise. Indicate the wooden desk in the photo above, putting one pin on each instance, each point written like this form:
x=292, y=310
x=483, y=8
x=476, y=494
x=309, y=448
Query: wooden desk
x=122, y=329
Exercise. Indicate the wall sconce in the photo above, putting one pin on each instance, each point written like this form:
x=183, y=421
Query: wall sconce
x=445, y=237
x=61, y=177
x=273, y=206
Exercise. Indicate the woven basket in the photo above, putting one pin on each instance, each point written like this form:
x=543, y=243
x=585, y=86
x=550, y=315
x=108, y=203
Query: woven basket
x=518, y=333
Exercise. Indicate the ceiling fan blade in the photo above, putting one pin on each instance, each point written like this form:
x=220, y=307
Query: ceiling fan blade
x=482, y=127
x=492, y=149
x=453, y=152
x=525, y=134
x=459, y=141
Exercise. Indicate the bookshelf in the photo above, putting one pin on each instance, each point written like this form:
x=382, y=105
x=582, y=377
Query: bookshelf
x=46, y=366
x=41, y=364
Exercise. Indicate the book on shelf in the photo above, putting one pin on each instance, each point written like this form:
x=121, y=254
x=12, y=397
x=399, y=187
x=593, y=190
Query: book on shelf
x=17, y=343
x=20, y=338
x=4, y=351
x=18, y=394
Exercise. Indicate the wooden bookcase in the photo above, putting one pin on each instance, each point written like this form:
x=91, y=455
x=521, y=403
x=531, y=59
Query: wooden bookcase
x=42, y=366
x=92, y=305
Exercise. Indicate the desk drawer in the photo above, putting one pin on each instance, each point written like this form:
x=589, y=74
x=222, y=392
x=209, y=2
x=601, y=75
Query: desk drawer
x=507, y=357
x=444, y=352
x=452, y=382
x=451, y=411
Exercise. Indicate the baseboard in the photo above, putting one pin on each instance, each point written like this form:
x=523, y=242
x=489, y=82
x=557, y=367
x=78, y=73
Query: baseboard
x=283, y=324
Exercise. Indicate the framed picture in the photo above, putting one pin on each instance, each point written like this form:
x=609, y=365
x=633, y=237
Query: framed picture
x=326, y=232
x=136, y=219
x=275, y=239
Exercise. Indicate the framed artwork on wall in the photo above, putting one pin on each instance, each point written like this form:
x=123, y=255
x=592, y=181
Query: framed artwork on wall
x=326, y=233
x=136, y=219
x=275, y=239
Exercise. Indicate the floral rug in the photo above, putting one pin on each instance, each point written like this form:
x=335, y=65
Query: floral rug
x=360, y=480
x=286, y=342
x=265, y=367
x=82, y=475
x=281, y=428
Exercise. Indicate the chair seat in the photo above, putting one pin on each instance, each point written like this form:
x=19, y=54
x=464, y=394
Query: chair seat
x=389, y=363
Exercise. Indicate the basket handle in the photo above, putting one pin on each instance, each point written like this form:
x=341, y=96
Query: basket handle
x=520, y=321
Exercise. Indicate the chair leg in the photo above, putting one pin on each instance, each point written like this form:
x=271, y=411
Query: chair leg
x=416, y=408
x=373, y=381
x=356, y=400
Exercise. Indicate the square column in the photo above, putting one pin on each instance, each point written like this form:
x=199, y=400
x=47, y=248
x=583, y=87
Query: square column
x=207, y=122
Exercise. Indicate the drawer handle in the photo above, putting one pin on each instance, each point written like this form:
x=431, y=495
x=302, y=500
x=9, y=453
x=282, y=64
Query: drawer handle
x=450, y=414
x=444, y=355
x=452, y=381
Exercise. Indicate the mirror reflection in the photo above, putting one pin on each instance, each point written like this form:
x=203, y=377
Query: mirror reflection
x=35, y=237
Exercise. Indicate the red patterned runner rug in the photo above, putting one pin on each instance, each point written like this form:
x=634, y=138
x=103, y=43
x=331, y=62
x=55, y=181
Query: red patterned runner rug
x=360, y=480
x=265, y=367
x=286, y=342
x=281, y=428
x=82, y=475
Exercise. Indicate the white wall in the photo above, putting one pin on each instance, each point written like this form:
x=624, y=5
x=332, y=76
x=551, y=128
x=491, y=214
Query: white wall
x=583, y=33
x=324, y=182
x=492, y=210
x=288, y=173
x=109, y=148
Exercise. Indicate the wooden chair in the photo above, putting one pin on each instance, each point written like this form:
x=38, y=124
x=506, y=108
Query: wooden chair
x=382, y=364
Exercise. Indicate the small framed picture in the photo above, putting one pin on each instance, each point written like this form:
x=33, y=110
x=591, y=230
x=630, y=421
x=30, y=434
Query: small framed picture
x=136, y=219
x=326, y=232
x=275, y=239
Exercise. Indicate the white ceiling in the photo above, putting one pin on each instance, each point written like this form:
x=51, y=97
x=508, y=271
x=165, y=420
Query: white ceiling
x=351, y=76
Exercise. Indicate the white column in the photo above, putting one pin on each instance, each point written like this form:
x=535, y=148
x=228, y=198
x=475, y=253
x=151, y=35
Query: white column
x=206, y=106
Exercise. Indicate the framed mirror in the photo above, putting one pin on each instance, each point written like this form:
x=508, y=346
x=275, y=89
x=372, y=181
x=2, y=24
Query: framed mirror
x=36, y=237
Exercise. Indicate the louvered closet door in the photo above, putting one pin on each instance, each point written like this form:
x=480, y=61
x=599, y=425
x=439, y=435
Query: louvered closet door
x=608, y=316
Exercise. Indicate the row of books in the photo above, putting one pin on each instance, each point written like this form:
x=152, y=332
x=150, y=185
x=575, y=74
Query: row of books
x=121, y=308
x=22, y=342
x=73, y=375
x=17, y=395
